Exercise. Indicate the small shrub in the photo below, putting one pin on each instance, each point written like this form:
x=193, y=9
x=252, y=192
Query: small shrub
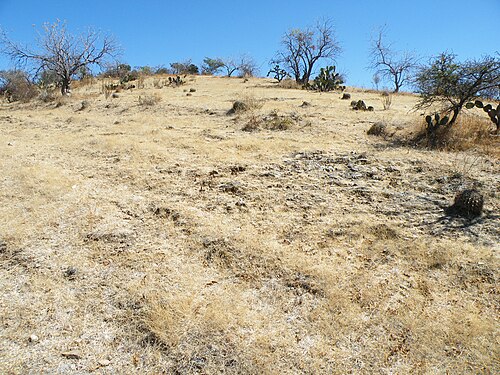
x=149, y=100
x=46, y=96
x=289, y=83
x=386, y=98
x=377, y=129
x=244, y=105
x=15, y=86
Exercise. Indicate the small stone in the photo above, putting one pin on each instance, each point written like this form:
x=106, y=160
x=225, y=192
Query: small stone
x=70, y=273
x=115, y=95
x=71, y=355
x=3, y=246
x=33, y=338
x=192, y=90
x=305, y=104
x=10, y=144
x=346, y=96
x=104, y=362
x=189, y=94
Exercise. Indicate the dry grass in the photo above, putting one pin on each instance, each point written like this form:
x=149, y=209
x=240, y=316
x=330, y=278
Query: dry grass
x=170, y=241
x=470, y=132
x=149, y=100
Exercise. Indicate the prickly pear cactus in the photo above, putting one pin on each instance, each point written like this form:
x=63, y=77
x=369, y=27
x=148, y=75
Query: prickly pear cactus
x=328, y=80
x=493, y=113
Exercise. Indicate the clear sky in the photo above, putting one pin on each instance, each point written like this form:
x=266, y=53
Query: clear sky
x=160, y=32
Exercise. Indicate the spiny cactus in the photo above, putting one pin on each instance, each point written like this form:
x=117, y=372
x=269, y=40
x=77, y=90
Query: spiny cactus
x=328, y=80
x=177, y=81
x=493, y=113
x=279, y=74
x=432, y=125
x=467, y=203
x=438, y=121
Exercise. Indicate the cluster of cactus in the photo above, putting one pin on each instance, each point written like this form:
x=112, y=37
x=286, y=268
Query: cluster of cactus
x=359, y=105
x=436, y=122
x=279, y=74
x=493, y=113
x=177, y=81
x=328, y=80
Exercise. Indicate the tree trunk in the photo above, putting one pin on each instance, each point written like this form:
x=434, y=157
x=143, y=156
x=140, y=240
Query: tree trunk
x=456, y=110
x=65, y=86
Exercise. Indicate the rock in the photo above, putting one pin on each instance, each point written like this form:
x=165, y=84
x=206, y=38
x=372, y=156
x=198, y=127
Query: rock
x=70, y=273
x=346, y=96
x=73, y=354
x=104, y=362
x=305, y=104
x=33, y=338
x=192, y=90
x=3, y=246
x=189, y=94
x=370, y=108
x=115, y=95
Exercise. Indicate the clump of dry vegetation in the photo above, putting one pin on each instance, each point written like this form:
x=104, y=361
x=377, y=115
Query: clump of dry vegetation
x=149, y=100
x=148, y=242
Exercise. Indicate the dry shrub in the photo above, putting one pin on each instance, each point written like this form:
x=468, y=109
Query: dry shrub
x=247, y=103
x=140, y=82
x=15, y=86
x=149, y=100
x=386, y=99
x=289, y=84
x=106, y=89
x=469, y=132
x=47, y=95
x=274, y=121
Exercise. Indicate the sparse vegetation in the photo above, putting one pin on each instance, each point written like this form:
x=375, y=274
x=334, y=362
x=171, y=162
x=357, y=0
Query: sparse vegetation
x=165, y=239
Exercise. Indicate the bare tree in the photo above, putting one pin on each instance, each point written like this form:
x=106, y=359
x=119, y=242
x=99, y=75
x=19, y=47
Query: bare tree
x=303, y=48
x=60, y=52
x=389, y=64
x=247, y=66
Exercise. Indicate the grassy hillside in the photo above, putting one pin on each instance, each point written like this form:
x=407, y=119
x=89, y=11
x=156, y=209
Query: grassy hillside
x=154, y=233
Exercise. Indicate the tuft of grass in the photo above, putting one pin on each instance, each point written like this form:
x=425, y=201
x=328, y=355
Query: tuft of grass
x=149, y=100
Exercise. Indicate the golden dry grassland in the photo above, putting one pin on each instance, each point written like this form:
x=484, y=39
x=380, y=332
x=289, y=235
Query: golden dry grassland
x=161, y=235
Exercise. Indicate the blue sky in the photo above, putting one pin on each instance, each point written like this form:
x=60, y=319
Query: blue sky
x=160, y=32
